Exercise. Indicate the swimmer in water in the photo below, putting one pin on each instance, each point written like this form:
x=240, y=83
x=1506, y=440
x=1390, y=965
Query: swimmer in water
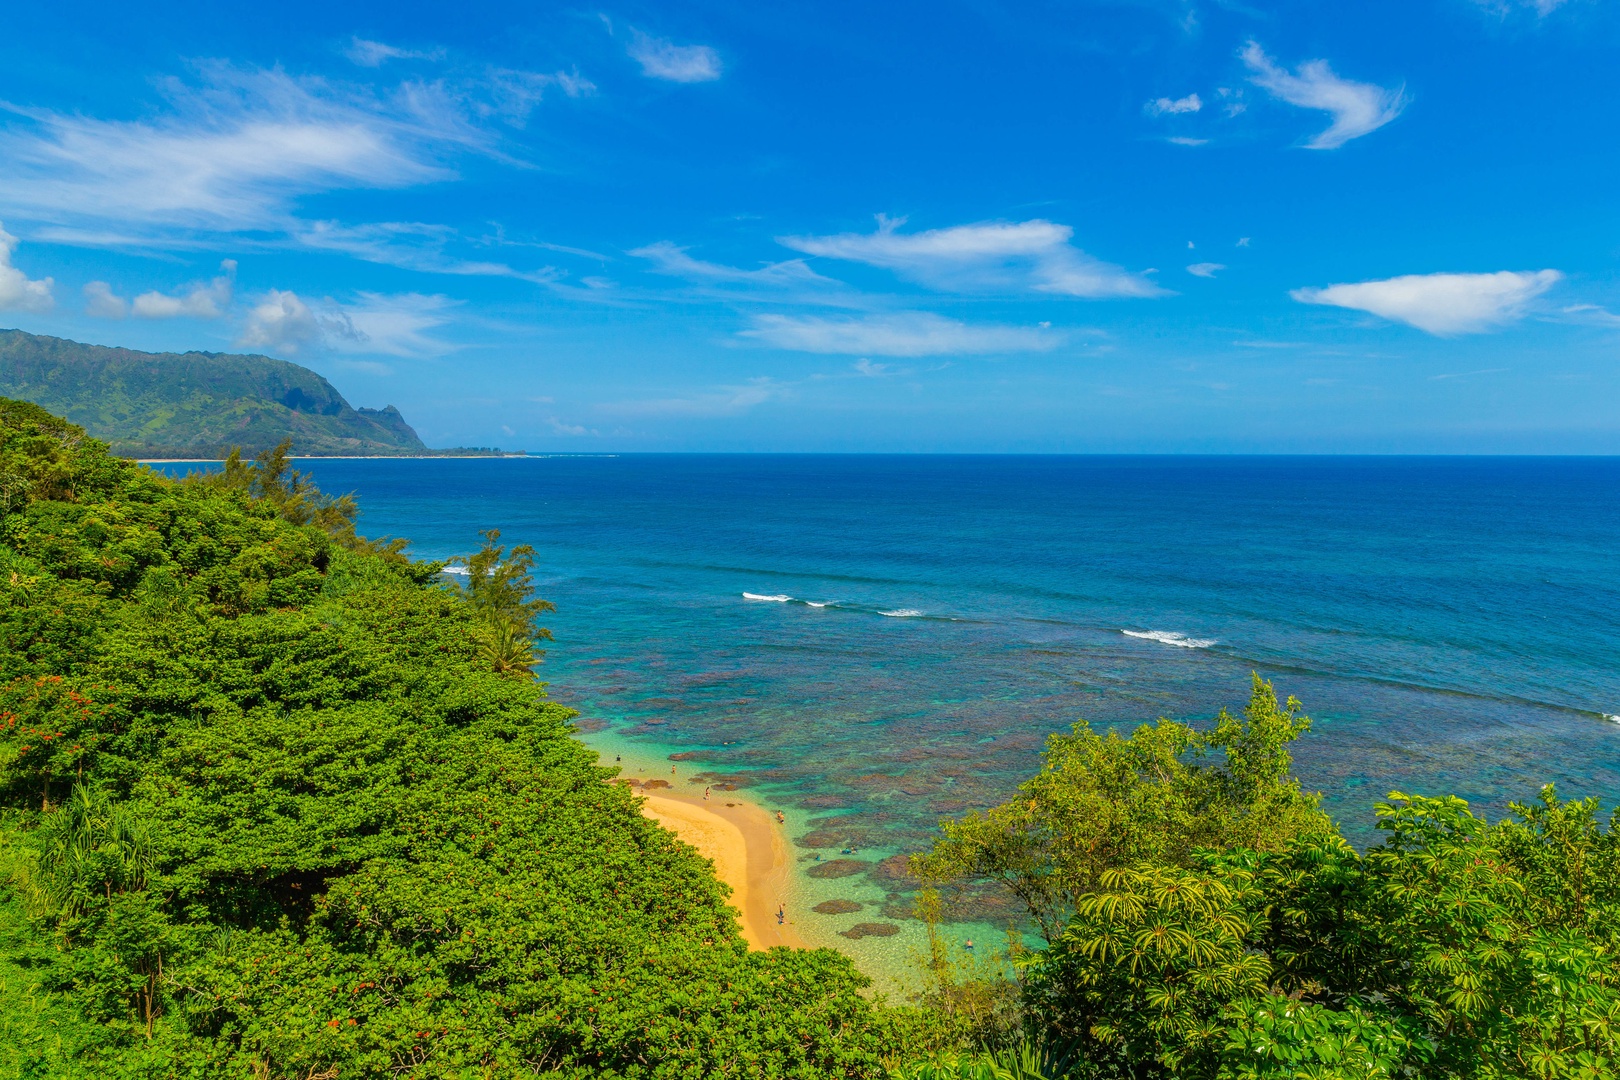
x=968, y=944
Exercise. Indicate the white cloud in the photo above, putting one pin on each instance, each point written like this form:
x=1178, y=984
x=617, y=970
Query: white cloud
x=1171, y=106
x=1183, y=140
x=1205, y=269
x=1592, y=314
x=668, y=258
x=102, y=303
x=412, y=245
x=987, y=257
x=202, y=302
x=395, y=325
x=660, y=59
x=1442, y=304
x=17, y=292
x=232, y=156
x=283, y=322
x=375, y=54
x=721, y=401
x=1357, y=108
x=906, y=333
x=1504, y=8
x=375, y=323
x=236, y=151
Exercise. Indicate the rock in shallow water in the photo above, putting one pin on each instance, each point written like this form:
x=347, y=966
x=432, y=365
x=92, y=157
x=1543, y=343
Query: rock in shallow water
x=870, y=929
x=837, y=907
x=837, y=868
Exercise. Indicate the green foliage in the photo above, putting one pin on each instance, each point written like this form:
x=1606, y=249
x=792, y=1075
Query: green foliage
x=193, y=404
x=1103, y=803
x=500, y=590
x=1456, y=949
x=1025, y=1059
x=268, y=808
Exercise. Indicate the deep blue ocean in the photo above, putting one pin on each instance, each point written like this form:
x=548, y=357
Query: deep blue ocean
x=878, y=641
x=889, y=639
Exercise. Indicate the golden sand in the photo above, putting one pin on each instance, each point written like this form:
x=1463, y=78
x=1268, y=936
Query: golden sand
x=749, y=853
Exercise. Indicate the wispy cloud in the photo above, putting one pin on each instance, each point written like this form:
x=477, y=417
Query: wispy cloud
x=1205, y=269
x=410, y=245
x=396, y=325
x=988, y=257
x=232, y=156
x=1357, y=108
x=1441, y=304
x=372, y=324
x=1171, y=106
x=375, y=54
x=236, y=150
x=17, y=291
x=720, y=401
x=1591, y=314
x=1466, y=374
x=1504, y=8
x=906, y=333
x=669, y=258
x=661, y=59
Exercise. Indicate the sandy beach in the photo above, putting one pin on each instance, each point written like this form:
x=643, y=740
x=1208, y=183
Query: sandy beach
x=749, y=853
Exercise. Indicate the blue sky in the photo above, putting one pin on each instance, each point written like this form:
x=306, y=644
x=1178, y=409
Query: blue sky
x=1110, y=226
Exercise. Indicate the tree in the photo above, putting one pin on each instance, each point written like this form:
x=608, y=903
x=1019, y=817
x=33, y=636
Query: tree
x=500, y=589
x=1103, y=803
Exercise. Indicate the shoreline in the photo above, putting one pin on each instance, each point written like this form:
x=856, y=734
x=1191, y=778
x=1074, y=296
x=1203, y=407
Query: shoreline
x=748, y=849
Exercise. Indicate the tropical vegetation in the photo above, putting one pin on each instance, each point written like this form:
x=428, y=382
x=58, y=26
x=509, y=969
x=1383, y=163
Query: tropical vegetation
x=1198, y=917
x=279, y=801
x=194, y=404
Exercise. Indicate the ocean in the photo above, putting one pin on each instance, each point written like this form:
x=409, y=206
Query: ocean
x=872, y=643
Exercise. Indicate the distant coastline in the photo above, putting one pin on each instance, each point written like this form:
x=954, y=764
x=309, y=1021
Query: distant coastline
x=345, y=457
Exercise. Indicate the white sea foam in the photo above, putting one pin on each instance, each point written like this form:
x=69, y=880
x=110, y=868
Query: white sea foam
x=460, y=571
x=1167, y=637
x=902, y=613
x=773, y=599
x=818, y=603
x=1612, y=718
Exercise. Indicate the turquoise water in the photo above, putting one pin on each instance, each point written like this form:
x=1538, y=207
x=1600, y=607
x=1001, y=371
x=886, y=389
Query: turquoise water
x=1453, y=625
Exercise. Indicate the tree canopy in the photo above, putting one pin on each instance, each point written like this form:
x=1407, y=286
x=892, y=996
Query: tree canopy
x=273, y=808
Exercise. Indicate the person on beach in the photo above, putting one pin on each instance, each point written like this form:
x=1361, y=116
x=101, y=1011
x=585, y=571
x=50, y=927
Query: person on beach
x=781, y=914
x=780, y=818
x=705, y=794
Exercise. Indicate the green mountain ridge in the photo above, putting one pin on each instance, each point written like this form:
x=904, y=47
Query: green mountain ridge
x=195, y=404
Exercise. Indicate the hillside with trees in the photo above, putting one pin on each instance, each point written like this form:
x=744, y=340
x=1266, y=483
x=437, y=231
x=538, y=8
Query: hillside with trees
x=278, y=803
x=195, y=404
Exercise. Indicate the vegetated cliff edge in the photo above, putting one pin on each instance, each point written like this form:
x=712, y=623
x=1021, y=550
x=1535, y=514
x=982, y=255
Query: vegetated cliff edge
x=195, y=404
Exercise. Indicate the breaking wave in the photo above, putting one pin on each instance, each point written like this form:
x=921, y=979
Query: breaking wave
x=1166, y=637
x=773, y=599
